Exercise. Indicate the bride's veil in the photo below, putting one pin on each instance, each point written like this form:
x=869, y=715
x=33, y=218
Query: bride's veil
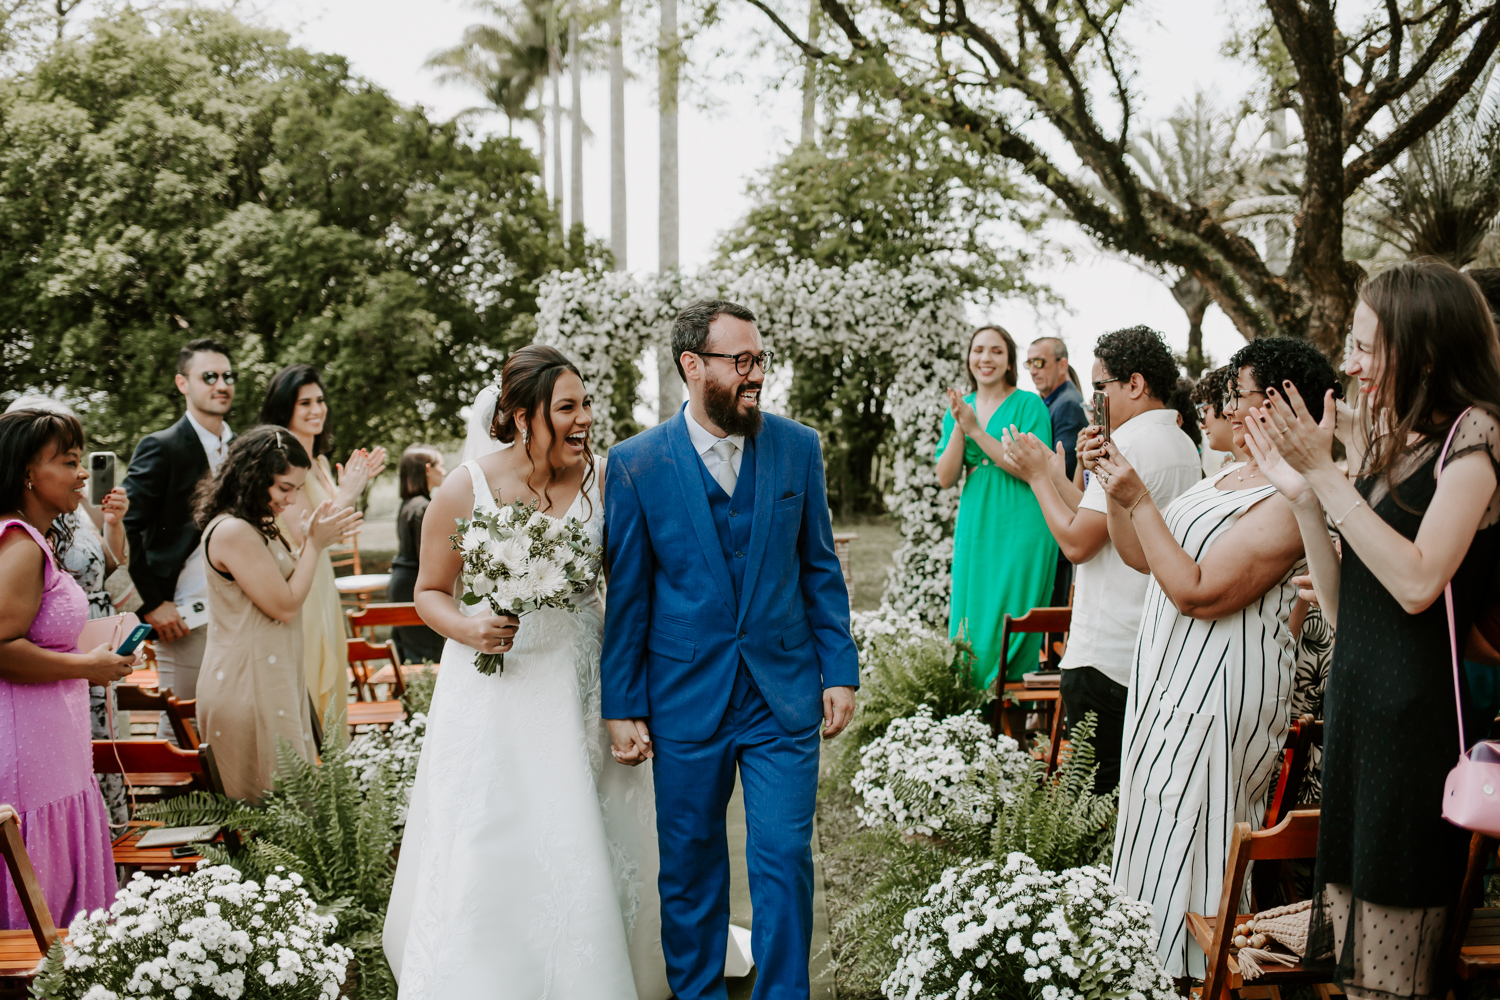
x=477, y=442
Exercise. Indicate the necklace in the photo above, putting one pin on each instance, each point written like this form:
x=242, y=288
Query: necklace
x=1252, y=475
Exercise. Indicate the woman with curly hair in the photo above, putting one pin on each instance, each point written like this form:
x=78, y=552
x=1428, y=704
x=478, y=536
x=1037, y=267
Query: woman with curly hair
x=1425, y=353
x=1214, y=658
x=1210, y=397
x=251, y=692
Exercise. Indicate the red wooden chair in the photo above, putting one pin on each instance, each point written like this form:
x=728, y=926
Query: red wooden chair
x=374, y=713
x=21, y=950
x=1048, y=700
x=158, y=764
x=364, y=621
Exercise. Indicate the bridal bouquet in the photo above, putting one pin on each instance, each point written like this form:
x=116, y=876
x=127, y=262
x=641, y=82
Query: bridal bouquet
x=518, y=560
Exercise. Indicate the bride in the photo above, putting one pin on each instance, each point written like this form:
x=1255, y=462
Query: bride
x=529, y=863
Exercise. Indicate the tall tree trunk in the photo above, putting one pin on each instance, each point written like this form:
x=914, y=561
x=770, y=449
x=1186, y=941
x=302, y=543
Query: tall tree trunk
x=617, y=136
x=575, y=151
x=554, y=74
x=541, y=142
x=1194, y=300
x=810, y=79
x=669, y=391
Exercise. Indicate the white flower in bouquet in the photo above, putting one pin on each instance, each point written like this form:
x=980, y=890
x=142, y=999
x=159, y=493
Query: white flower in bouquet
x=1068, y=936
x=923, y=776
x=546, y=578
x=513, y=554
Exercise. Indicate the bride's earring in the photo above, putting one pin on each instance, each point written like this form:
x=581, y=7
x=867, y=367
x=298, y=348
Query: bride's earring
x=525, y=438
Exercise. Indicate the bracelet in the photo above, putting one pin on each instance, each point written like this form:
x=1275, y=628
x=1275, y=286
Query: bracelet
x=1130, y=514
x=1338, y=522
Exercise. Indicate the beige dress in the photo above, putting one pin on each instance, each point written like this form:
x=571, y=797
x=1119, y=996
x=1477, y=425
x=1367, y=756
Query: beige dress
x=251, y=693
x=325, y=658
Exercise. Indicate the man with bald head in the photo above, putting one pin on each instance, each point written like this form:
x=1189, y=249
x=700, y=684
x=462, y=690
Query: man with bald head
x=1047, y=361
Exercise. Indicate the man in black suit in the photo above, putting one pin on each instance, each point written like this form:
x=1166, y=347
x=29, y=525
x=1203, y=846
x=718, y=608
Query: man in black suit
x=165, y=562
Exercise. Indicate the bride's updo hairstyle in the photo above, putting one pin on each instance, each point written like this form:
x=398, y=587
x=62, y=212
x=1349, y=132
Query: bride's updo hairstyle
x=527, y=381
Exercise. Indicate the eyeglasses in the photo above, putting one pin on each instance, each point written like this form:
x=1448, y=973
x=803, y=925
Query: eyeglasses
x=213, y=377
x=1233, y=397
x=1036, y=364
x=744, y=360
x=1099, y=385
x=1202, y=411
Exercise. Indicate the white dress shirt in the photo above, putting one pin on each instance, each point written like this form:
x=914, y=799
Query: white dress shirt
x=192, y=582
x=704, y=440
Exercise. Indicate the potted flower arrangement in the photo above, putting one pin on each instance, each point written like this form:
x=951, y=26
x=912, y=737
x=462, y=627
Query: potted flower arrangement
x=209, y=933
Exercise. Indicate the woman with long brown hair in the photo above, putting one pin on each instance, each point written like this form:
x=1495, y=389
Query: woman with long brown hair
x=1420, y=515
x=1004, y=558
x=524, y=838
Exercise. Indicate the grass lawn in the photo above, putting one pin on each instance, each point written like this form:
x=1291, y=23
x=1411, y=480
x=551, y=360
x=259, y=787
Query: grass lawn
x=870, y=558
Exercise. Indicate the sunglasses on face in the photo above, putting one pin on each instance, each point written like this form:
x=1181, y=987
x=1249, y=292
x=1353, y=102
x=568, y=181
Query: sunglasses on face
x=1037, y=364
x=212, y=378
x=1099, y=385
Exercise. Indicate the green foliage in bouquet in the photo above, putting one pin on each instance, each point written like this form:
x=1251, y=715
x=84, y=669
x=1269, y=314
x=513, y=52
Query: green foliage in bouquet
x=319, y=822
x=1060, y=823
x=899, y=673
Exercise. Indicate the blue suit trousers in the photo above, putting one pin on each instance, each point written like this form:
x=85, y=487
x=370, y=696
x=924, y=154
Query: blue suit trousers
x=694, y=782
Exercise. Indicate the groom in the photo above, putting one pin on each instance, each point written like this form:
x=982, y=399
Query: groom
x=726, y=642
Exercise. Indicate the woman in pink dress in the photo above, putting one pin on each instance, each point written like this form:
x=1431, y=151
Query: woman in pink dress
x=46, y=756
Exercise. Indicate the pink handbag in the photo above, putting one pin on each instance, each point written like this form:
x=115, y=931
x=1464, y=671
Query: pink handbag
x=1471, y=795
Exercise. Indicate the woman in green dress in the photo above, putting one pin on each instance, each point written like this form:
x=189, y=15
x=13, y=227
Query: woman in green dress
x=1004, y=558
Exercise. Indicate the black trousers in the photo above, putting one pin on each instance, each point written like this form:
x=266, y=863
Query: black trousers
x=1085, y=690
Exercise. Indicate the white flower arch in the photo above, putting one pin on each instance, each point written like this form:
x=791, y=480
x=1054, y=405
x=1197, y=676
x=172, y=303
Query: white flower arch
x=604, y=319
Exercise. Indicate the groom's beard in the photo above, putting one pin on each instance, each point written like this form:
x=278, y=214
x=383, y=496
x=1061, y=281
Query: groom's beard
x=721, y=402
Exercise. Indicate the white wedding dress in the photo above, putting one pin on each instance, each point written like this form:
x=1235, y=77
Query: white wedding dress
x=529, y=863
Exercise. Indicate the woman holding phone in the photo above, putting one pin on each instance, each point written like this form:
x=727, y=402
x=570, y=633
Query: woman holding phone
x=1004, y=558
x=46, y=754
x=252, y=692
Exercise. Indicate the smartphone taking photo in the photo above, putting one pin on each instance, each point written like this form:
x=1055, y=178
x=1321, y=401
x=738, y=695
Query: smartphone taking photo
x=101, y=476
x=1101, y=413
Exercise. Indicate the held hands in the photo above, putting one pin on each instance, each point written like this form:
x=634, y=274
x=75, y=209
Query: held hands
x=1120, y=481
x=963, y=414
x=328, y=525
x=102, y=666
x=630, y=740
x=115, y=504
x=838, y=709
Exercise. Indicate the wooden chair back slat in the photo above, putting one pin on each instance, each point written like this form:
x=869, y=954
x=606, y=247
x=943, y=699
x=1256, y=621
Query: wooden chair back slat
x=184, y=718
x=23, y=877
x=140, y=756
x=1304, y=734
x=375, y=615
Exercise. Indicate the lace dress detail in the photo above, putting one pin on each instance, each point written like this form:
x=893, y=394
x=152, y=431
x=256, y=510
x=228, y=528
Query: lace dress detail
x=528, y=866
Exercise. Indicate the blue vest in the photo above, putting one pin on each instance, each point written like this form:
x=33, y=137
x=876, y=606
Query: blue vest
x=732, y=515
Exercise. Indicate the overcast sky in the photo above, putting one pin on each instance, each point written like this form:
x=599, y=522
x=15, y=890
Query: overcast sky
x=753, y=124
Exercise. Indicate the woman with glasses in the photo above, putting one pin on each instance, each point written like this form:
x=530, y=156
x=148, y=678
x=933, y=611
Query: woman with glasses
x=295, y=400
x=1214, y=658
x=1389, y=866
x=1211, y=401
x=1004, y=558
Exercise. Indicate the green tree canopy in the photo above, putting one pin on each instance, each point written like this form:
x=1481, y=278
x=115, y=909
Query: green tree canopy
x=184, y=174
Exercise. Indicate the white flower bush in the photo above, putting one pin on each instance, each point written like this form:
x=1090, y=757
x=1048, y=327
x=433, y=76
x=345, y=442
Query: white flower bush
x=199, y=935
x=866, y=626
x=605, y=320
x=1020, y=932
x=401, y=746
x=924, y=776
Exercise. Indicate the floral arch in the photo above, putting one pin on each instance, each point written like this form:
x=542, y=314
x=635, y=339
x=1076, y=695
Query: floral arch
x=607, y=319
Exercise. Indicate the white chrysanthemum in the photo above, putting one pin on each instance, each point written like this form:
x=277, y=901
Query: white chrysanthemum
x=513, y=553
x=547, y=579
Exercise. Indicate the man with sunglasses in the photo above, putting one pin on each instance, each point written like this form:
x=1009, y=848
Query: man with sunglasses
x=166, y=564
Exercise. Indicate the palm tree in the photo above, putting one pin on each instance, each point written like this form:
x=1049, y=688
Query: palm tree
x=1194, y=158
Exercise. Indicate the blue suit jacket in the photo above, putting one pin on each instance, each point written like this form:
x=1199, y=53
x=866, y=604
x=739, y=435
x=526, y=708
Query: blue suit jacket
x=674, y=633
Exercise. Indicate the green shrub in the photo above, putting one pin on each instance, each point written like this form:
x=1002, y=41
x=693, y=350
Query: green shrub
x=419, y=688
x=1060, y=823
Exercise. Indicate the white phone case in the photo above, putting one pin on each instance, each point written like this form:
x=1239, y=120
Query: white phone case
x=194, y=613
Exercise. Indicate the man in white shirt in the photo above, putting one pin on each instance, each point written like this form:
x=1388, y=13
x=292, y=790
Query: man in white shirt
x=1136, y=370
x=166, y=562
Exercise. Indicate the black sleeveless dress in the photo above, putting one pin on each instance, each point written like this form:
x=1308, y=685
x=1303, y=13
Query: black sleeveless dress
x=1390, y=739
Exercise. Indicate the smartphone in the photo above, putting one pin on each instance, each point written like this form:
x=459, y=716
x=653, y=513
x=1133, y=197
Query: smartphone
x=185, y=851
x=1101, y=413
x=133, y=640
x=101, y=476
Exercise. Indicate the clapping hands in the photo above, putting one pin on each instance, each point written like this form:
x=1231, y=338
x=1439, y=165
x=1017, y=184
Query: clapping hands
x=963, y=413
x=328, y=525
x=1025, y=457
x=362, y=466
x=1285, y=440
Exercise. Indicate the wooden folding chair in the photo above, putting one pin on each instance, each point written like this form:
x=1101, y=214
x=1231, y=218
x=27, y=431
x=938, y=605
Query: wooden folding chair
x=374, y=713
x=364, y=621
x=157, y=764
x=1049, y=700
x=1296, y=836
x=21, y=951
x=184, y=718
x=1305, y=733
